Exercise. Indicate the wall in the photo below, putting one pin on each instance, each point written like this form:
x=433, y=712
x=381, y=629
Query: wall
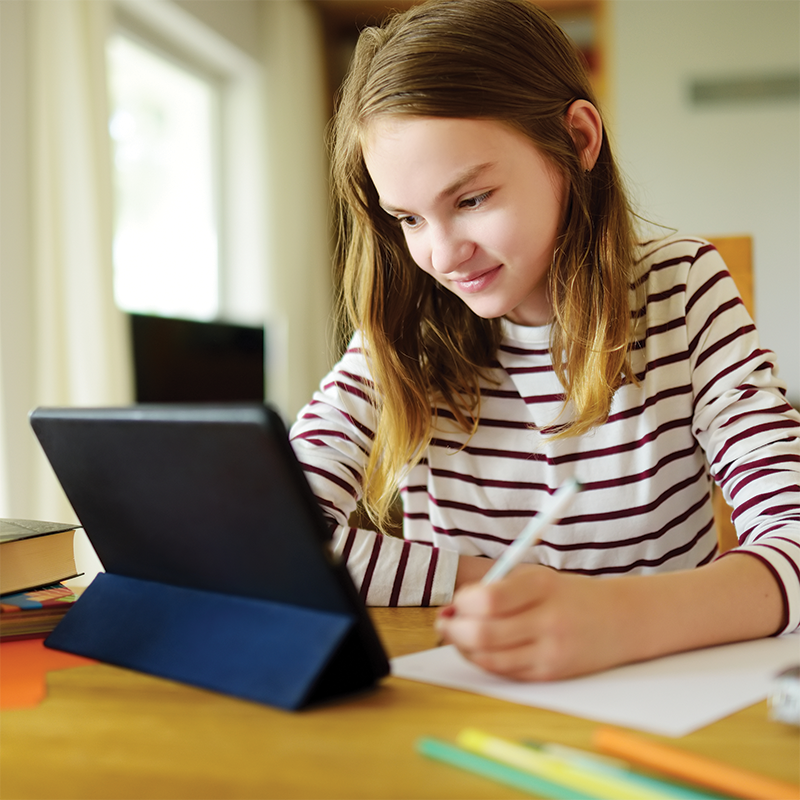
x=16, y=296
x=719, y=169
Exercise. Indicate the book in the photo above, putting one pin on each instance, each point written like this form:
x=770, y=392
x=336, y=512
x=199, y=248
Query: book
x=26, y=615
x=35, y=554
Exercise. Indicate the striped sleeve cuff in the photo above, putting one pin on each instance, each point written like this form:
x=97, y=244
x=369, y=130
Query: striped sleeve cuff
x=388, y=571
x=781, y=555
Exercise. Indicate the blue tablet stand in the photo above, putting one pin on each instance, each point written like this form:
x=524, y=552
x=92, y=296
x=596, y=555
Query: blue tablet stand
x=273, y=653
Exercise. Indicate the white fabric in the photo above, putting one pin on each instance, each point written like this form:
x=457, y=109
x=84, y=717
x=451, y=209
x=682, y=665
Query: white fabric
x=708, y=403
x=69, y=340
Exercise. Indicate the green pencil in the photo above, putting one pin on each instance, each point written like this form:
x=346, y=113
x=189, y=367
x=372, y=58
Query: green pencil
x=486, y=767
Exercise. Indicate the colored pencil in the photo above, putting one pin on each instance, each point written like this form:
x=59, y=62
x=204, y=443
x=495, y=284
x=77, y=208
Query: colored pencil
x=617, y=767
x=494, y=770
x=581, y=778
x=687, y=766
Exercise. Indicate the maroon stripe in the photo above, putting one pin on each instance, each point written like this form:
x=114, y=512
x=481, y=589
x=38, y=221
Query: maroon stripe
x=687, y=258
x=711, y=556
x=775, y=574
x=325, y=503
x=507, y=424
x=791, y=542
x=659, y=297
x=746, y=394
x=506, y=513
x=759, y=472
x=622, y=513
x=705, y=288
x=400, y=574
x=490, y=453
x=777, y=425
x=765, y=533
x=330, y=433
x=551, y=460
x=712, y=350
x=358, y=425
x=500, y=394
x=792, y=509
x=357, y=378
x=714, y=315
x=656, y=330
x=354, y=422
x=748, y=478
x=651, y=401
x=348, y=544
x=732, y=368
x=426, y=594
x=587, y=545
x=523, y=351
x=528, y=370
x=634, y=541
x=331, y=477
x=347, y=389
x=535, y=399
x=487, y=482
x=456, y=532
x=627, y=447
x=652, y=562
x=370, y=571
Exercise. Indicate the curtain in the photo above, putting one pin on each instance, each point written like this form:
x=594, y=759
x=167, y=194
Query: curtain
x=75, y=349
x=298, y=291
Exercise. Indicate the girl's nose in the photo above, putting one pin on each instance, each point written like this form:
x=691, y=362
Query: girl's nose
x=449, y=250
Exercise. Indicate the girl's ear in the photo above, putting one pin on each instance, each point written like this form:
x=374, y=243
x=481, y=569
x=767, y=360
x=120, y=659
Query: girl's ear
x=586, y=128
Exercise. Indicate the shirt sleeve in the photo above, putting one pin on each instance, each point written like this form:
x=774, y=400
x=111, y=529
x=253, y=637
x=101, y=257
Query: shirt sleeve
x=332, y=438
x=750, y=433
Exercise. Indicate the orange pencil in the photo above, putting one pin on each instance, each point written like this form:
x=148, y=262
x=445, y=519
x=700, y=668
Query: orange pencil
x=689, y=767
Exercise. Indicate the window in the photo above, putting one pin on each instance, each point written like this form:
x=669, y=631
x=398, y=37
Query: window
x=164, y=126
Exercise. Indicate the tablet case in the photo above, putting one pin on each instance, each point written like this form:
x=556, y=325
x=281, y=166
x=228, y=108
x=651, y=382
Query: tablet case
x=218, y=567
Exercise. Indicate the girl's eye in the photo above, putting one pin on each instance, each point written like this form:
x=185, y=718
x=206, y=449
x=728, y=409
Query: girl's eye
x=409, y=221
x=474, y=202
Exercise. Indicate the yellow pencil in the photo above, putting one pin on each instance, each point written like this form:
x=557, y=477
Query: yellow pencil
x=557, y=770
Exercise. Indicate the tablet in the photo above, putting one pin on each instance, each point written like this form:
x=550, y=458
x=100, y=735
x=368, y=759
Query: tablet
x=203, y=497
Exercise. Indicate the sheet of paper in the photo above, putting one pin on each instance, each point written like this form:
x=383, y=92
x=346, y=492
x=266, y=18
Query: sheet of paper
x=671, y=696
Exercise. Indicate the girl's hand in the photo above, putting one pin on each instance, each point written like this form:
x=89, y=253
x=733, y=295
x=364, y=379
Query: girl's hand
x=537, y=624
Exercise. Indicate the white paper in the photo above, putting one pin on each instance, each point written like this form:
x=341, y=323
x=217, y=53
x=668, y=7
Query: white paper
x=671, y=696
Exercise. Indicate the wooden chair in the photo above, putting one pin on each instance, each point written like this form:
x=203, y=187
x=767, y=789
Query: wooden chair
x=737, y=252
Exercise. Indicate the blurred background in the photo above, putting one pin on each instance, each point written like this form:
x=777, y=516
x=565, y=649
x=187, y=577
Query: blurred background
x=164, y=226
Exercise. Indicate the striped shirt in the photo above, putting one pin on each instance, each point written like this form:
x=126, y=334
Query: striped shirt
x=707, y=407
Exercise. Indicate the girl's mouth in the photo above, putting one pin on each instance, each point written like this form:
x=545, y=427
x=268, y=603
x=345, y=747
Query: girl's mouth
x=477, y=283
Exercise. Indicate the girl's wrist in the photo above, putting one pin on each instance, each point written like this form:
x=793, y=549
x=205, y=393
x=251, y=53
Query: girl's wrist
x=471, y=569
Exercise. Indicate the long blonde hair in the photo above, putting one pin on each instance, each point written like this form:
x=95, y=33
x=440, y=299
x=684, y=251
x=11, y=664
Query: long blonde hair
x=504, y=60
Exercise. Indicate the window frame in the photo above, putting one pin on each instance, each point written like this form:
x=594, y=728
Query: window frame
x=177, y=36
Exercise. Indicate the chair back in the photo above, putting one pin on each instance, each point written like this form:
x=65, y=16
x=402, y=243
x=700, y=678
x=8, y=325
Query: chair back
x=737, y=252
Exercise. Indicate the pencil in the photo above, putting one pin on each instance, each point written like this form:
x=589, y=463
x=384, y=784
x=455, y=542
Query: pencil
x=494, y=770
x=715, y=775
x=616, y=767
x=532, y=532
x=577, y=777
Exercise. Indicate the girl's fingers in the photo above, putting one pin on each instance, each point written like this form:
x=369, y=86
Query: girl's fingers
x=525, y=586
x=472, y=634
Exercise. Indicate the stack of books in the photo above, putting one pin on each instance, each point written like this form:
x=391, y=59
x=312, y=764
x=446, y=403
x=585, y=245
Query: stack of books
x=35, y=557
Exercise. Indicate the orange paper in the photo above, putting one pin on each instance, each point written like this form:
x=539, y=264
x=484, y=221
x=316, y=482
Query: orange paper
x=24, y=665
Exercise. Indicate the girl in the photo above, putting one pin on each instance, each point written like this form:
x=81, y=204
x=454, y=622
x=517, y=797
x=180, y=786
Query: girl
x=510, y=332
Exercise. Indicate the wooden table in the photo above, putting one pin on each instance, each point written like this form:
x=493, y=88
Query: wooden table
x=105, y=732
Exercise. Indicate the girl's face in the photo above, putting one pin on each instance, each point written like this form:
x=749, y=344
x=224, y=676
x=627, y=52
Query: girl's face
x=479, y=206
